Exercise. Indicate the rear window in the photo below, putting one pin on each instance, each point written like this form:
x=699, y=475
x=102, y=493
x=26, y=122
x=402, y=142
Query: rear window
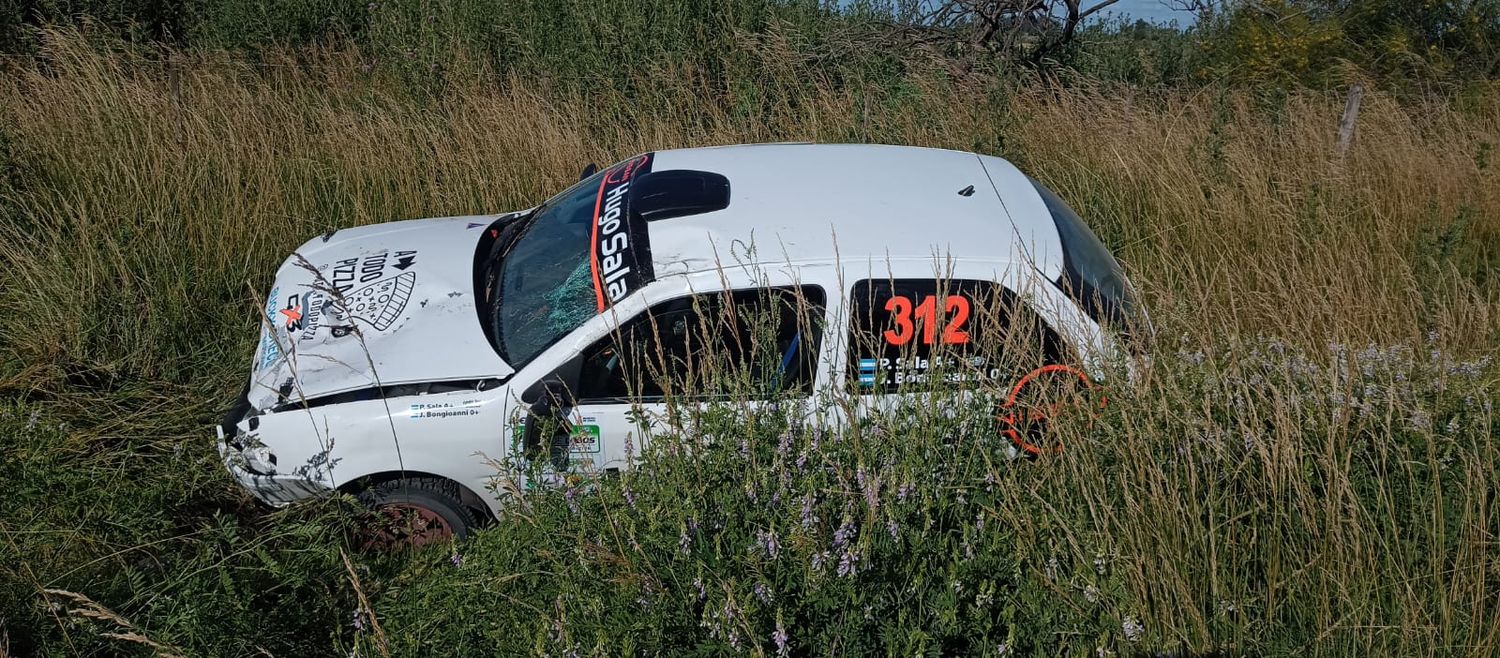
x=1091, y=276
x=912, y=335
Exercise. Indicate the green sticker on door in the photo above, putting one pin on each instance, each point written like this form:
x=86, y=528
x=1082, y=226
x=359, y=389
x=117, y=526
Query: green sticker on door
x=585, y=440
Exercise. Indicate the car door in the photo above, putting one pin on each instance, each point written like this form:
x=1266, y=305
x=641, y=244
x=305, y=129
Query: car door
x=747, y=346
x=913, y=338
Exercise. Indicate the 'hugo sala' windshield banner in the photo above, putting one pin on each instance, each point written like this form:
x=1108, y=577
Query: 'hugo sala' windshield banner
x=619, y=253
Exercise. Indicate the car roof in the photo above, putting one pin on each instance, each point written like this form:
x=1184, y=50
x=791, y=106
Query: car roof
x=855, y=203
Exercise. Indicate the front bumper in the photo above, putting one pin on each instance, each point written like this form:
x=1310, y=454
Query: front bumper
x=274, y=489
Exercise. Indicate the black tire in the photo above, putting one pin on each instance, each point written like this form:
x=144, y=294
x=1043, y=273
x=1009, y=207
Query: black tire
x=417, y=511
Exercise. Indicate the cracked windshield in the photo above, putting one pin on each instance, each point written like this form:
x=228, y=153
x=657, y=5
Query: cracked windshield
x=545, y=286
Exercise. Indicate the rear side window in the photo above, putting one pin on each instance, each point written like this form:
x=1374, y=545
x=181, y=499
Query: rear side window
x=753, y=343
x=912, y=335
x=1091, y=275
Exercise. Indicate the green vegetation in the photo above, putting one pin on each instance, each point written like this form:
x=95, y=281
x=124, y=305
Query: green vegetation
x=1322, y=40
x=1307, y=465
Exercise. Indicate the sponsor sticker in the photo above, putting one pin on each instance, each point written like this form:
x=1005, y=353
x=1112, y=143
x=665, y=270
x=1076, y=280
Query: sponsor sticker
x=445, y=409
x=314, y=305
x=619, y=254
x=270, y=350
x=585, y=438
x=292, y=314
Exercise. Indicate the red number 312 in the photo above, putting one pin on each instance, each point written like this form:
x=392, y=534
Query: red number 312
x=903, y=312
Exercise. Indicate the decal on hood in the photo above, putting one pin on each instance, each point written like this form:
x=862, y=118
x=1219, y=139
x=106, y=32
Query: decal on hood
x=619, y=253
x=336, y=304
x=377, y=305
x=270, y=350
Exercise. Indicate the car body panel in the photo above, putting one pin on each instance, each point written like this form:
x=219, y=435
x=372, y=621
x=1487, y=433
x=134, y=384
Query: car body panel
x=793, y=203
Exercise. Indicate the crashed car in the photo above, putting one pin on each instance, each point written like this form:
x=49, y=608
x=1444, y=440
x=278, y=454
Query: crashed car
x=406, y=362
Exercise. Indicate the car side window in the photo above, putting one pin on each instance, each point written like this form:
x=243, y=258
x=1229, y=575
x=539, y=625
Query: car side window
x=912, y=335
x=745, y=342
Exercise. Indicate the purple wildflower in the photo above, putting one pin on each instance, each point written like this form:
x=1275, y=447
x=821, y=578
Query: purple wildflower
x=456, y=559
x=818, y=559
x=871, y=488
x=1470, y=369
x=784, y=445
x=891, y=527
x=571, y=495
x=359, y=619
x=683, y=541
x=763, y=593
x=847, y=563
x=844, y=533
x=905, y=491
x=768, y=544
x=808, y=518
x=780, y=638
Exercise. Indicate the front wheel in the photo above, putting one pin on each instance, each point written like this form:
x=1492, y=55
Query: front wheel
x=416, y=512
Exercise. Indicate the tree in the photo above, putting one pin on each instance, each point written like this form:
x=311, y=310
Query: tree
x=1029, y=30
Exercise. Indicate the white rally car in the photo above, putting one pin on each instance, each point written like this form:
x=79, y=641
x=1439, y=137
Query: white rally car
x=402, y=362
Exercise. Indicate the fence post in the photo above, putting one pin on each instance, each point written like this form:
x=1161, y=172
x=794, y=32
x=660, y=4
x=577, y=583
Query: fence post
x=1351, y=117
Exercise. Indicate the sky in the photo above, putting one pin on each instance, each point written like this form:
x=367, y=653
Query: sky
x=1152, y=10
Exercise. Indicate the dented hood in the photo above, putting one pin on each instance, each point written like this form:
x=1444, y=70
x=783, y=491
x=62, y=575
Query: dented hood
x=374, y=306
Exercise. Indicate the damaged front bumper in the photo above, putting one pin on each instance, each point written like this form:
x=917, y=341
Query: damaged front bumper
x=264, y=483
x=275, y=490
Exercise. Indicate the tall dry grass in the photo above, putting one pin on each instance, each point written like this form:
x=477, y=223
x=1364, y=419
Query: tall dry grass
x=1245, y=218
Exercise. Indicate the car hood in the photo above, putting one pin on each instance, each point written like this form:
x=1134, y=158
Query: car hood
x=374, y=306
